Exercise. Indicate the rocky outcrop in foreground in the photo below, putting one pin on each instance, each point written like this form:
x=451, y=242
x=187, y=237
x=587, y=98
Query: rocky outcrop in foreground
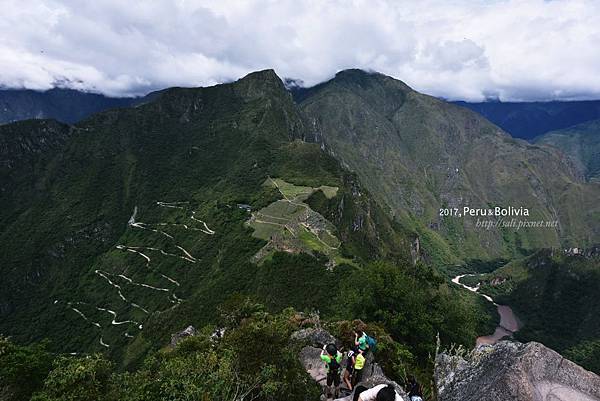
x=513, y=371
x=315, y=338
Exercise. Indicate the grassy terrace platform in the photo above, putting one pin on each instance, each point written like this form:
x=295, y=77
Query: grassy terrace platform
x=290, y=225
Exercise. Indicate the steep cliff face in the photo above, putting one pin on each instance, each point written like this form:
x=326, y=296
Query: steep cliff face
x=25, y=142
x=26, y=147
x=513, y=371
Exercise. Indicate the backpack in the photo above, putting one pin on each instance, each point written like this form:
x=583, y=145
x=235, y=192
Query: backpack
x=334, y=365
x=415, y=390
x=372, y=343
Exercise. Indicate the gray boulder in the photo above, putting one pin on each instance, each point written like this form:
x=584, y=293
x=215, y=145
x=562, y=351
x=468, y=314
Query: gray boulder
x=176, y=338
x=315, y=337
x=311, y=360
x=513, y=371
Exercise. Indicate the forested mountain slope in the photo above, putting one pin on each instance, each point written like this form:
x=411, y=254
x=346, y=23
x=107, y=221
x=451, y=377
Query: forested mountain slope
x=134, y=222
x=581, y=143
x=417, y=154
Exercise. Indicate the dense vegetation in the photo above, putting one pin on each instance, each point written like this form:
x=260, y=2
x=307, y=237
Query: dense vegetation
x=253, y=360
x=23, y=369
x=178, y=167
x=405, y=308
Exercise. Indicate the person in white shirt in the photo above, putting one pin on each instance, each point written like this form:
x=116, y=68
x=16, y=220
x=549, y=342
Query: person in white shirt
x=382, y=392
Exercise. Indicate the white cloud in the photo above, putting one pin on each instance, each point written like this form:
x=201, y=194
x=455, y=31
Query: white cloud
x=467, y=49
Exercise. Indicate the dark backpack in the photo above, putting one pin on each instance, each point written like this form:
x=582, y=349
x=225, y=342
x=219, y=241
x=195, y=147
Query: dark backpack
x=415, y=390
x=334, y=365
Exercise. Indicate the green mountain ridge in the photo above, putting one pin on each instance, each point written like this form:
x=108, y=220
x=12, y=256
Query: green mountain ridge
x=131, y=217
x=581, y=143
x=417, y=154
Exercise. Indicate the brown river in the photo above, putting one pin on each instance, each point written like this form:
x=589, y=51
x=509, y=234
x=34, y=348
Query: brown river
x=509, y=323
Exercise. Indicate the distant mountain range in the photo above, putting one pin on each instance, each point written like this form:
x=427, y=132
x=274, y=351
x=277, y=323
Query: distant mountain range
x=527, y=120
x=65, y=105
x=415, y=153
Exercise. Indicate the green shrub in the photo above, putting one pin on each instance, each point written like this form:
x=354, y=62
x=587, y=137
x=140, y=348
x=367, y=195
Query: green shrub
x=76, y=379
x=22, y=369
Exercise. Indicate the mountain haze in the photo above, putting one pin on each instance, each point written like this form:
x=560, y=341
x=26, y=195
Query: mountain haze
x=66, y=105
x=527, y=120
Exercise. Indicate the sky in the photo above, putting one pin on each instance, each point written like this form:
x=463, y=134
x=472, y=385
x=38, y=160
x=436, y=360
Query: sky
x=469, y=50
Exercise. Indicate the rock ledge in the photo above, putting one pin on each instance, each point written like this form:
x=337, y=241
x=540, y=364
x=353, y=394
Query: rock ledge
x=513, y=371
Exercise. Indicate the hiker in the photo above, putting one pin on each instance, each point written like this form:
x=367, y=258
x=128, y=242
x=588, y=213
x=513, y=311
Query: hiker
x=360, y=340
x=332, y=358
x=414, y=389
x=349, y=371
x=382, y=392
x=359, y=364
x=364, y=341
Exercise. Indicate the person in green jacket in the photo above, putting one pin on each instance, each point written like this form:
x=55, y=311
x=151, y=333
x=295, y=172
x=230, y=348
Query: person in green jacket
x=333, y=362
x=360, y=340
